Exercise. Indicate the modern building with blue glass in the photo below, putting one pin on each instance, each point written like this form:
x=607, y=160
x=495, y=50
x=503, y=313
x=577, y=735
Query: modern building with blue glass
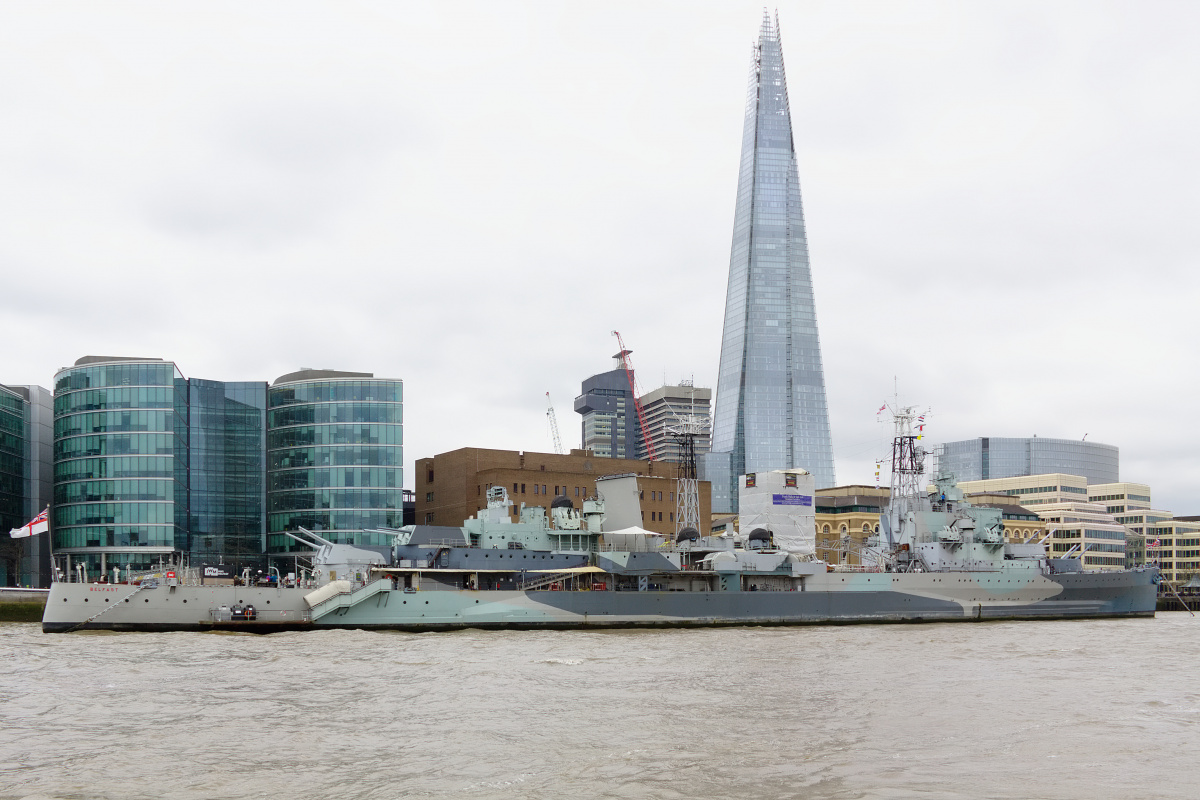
x=335, y=453
x=120, y=464
x=997, y=457
x=25, y=482
x=770, y=411
x=153, y=467
x=227, y=471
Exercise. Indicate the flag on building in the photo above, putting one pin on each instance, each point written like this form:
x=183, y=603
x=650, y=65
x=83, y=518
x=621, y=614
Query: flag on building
x=1153, y=544
x=39, y=524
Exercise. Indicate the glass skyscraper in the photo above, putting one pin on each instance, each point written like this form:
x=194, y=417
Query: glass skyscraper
x=770, y=412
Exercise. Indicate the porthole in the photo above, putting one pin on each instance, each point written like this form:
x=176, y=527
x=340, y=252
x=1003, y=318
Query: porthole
x=106, y=599
x=147, y=600
x=126, y=599
x=185, y=601
x=85, y=599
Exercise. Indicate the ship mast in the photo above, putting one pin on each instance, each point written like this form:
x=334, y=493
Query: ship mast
x=908, y=470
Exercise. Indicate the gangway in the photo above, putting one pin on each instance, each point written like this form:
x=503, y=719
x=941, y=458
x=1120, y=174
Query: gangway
x=349, y=599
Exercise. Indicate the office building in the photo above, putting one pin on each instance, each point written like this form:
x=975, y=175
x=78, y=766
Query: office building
x=120, y=464
x=770, y=411
x=227, y=471
x=335, y=454
x=610, y=427
x=153, y=467
x=987, y=458
x=452, y=487
x=26, y=482
x=1120, y=498
x=669, y=409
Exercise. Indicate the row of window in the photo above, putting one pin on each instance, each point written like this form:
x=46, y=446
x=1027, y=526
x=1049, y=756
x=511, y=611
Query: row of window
x=122, y=398
x=336, y=478
x=336, y=498
x=13, y=423
x=114, y=514
x=116, y=467
x=162, y=444
x=123, y=491
x=12, y=445
x=10, y=402
x=116, y=375
x=337, y=456
x=319, y=520
x=114, y=421
x=325, y=413
x=116, y=536
x=334, y=435
x=336, y=392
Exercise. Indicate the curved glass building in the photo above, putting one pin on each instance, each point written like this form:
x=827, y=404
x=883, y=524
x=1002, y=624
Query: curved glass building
x=995, y=457
x=120, y=463
x=335, y=457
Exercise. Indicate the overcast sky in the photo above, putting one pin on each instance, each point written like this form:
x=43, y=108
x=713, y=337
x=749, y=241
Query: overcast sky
x=1001, y=201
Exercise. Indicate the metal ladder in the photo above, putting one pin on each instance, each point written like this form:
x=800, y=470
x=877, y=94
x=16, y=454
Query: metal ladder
x=537, y=583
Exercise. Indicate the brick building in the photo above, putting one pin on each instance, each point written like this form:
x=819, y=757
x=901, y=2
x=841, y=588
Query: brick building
x=452, y=487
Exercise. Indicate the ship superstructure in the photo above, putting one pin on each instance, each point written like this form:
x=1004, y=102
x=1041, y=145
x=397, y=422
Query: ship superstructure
x=937, y=558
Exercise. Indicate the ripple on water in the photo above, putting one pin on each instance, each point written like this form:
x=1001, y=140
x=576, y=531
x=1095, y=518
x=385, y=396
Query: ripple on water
x=1006, y=710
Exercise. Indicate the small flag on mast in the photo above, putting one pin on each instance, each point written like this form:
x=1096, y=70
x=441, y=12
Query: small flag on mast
x=38, y=524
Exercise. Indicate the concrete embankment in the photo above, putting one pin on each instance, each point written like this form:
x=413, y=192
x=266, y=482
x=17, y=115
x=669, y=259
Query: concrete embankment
x=22, y=605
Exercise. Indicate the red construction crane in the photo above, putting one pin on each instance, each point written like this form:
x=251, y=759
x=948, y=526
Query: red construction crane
x=637, y=402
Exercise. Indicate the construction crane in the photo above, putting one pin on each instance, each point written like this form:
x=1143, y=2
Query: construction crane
x=637, y=402
x=553, y=424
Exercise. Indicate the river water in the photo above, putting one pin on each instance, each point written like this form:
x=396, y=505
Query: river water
x=1078, y=709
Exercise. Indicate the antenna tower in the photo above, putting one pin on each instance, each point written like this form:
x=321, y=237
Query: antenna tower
x=687, y=487
x=637, y=401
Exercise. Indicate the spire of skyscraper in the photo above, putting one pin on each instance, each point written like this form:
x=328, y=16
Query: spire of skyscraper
x=770, y=410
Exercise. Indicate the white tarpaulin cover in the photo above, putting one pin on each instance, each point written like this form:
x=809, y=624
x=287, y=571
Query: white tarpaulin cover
x=635, y=539
x=782, y=503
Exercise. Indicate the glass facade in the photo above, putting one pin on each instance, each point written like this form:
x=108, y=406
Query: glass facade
x=770, y=411
x=14, y=479
x=335, y=458
x=990, y=457
x=227, y=476
x=120, y=463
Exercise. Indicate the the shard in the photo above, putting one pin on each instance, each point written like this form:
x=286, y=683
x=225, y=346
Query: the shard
x=771, y=411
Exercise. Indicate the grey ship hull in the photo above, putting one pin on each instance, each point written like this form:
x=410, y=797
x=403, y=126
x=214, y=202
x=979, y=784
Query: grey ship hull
x=824, y=599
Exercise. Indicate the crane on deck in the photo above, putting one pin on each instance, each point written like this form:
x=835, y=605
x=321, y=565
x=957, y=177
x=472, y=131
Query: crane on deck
x=553, y=425
x=637, y=402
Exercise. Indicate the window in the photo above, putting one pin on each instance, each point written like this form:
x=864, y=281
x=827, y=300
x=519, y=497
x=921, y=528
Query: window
x=522, y=488
x=429, y=476
x=429, y=497
x=514, y=488
x=543, y=488
x=535, y=488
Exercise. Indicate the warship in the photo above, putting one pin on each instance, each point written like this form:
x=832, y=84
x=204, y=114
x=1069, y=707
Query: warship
x=936, y=558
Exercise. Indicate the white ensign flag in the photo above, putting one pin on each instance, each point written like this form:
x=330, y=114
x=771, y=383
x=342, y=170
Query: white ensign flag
x=38, y=524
